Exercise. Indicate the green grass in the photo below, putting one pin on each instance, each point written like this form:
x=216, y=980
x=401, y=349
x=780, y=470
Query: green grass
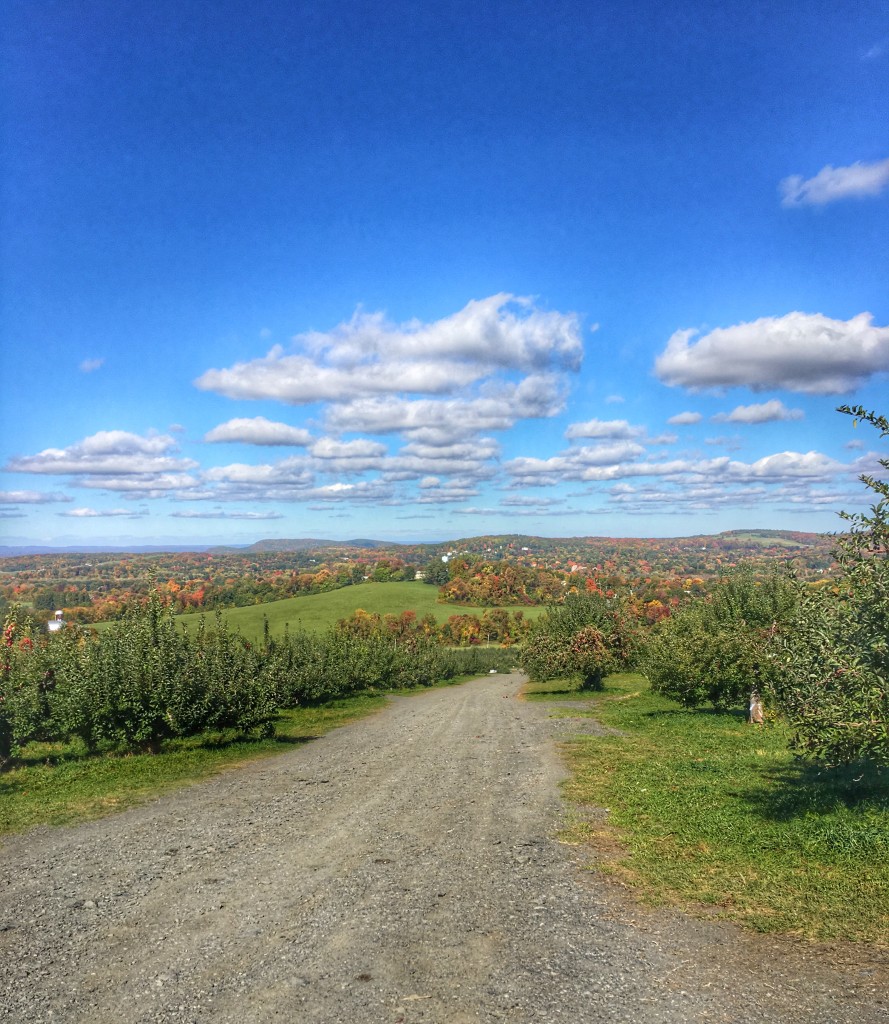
x=767, y=540
x=317, y=612
x=58, y=785
x=706, y=810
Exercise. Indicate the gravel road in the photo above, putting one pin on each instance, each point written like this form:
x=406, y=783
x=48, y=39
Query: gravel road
x=402, y=869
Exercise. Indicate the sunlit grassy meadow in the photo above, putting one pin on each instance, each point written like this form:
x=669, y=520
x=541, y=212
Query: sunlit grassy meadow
x=317, y=612
x=704, y=809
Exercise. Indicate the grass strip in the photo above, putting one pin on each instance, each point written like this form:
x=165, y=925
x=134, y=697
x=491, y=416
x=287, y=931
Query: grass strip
x=706, y=811
x=57, y=785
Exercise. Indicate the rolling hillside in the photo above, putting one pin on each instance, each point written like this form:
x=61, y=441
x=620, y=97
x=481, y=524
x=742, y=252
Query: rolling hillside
x=319, y=611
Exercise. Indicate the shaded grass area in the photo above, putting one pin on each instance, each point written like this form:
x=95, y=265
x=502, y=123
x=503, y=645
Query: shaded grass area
x=704, y=809
x=57, y=785
x=317, y=612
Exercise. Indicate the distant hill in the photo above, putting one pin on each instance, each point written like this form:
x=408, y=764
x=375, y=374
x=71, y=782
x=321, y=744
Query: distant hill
x=12, y=551
x=311, y=543
x=492, y=543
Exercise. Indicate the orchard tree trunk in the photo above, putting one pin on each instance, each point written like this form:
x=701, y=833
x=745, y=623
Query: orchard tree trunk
x=5, y=744
x=593, y=681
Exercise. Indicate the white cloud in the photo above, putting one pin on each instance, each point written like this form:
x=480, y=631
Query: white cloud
x=32, y=497
x=765, y=412
x=91, y=513
x=368, y=356
x=365, y=491
x=613, y=429
x=503, y=330
x=451, y=493
x=833, y=183
x=219, y=514
x=347, y=458
x=787, y=465
x=448, y=421
x=298, y=380
x=360, y=450
x=614, y=399
x=800, y=351
x=615, y=462
x=107, y=452
x=684, y=419
x=700, y=497
x=91, y=365
x=259, y=430
x=478, y=449
x=149, y=485
x=292, y=472
x=574, y=464
x=471, y=461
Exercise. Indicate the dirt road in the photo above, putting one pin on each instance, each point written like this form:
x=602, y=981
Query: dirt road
x=402, y=869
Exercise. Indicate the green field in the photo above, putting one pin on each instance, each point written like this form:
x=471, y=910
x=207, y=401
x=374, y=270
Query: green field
x=317, y=612
x=706, y=810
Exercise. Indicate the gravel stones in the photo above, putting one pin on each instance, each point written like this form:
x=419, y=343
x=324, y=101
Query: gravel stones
x=402, y=869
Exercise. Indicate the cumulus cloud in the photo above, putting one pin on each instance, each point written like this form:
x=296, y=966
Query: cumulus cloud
x=109, y=452
x=365, y=491
x=764, y=412
x=615, y=462
x=832, y=183
x=700, y=497
x=443, y=387
x=258, y=430
x=800, y=352
x=369, y=356
x=428, y=463
x=612, y=429
x=451, y=493
x=583, y=463
x=786, y=465
x=448, y=421
x=147, y=485
x=684, y=419
x=292, y=472
x=32, y=497
x=360, y=450
x=298, y=380
x=503, y=330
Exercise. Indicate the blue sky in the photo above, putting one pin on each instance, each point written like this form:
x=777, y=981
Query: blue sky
x=420, y=271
